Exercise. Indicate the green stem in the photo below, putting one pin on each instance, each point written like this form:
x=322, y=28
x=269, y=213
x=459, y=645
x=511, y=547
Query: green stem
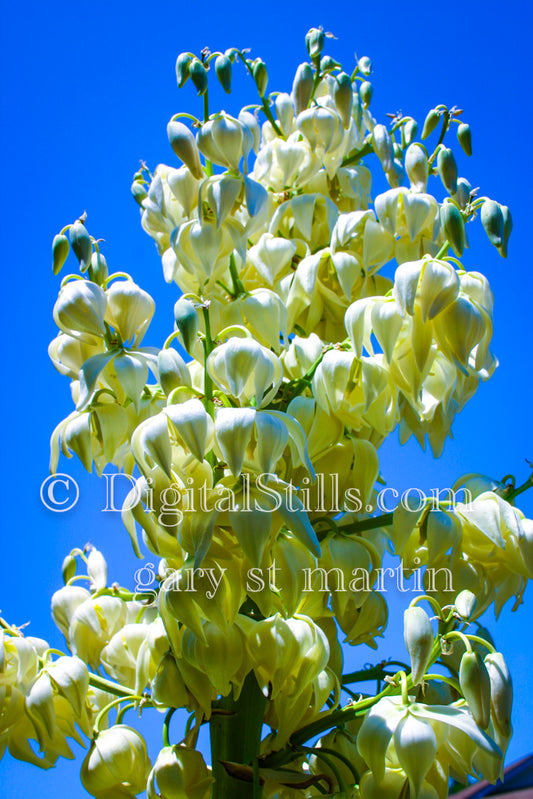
x=325, y=750
x=265, y=106
x=320, y=755
x=373, y=523
x=354, y=157
x=318, y=77
x=166, y=725
x=374, y=673
x=208, y=163
x=515, y=492
x=443, y=250
x=123, y=710
x=238, y=286
x=236, y=737
x=444, y=129
x=208, y=347
x=270, y=117
x=110, y=687
x=105, y=710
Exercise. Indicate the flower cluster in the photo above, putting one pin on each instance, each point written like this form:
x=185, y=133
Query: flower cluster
x=312, y=322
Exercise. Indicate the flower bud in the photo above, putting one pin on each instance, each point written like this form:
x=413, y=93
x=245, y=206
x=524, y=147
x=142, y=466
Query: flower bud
x=117, y=764
x=410, y=129
x=81, y=244
x=302, y=87
x=418, y=637
x=69, y=567
x=60, y=251
x=129, y=310
x=366, y=90
x=98, y=270
x=172, y=369
x=453, y=227
x=416, y=166
x=64, y=603
x=507, y=228
x=447, y=169
x=168, y=687
x=328, y=64
x=464, y=137
x=365, y=65
x=182, y=68
x=314, y=41
x=285, y=112
x=465, y=604
x=463, y=193
x=260, y=76
x=186, y=318
x=180, y=772
x=430, y=123
x=525, y=543
x=493, y=222
x=343, y=96
x=382, y=143
x=223, y=72
x=198, y=74
x=184, y=145
x=475, y=684
x=501, y=692
x=80, y=309
x=139, y=192
x=97, y=569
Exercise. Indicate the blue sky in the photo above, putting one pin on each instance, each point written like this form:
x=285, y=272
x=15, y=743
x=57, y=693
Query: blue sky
x=87, y=91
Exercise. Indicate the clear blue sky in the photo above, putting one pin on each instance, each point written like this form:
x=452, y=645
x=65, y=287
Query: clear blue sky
x=87, y=91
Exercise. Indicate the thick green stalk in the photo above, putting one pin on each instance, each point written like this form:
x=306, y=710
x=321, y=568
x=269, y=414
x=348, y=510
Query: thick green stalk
x=236, y=737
